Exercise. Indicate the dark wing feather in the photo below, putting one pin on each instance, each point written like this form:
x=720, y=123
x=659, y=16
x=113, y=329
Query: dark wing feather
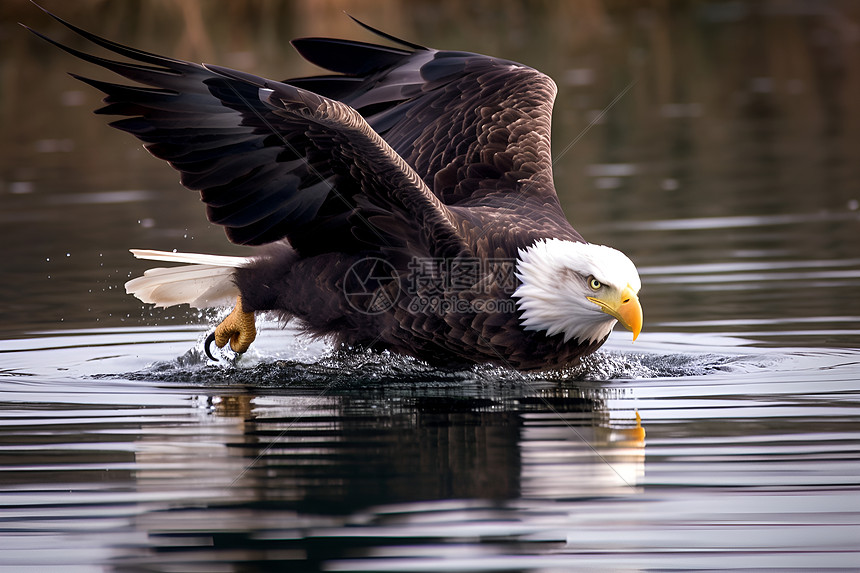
x=348, y=56
x=389, y=188
x=442, y=110
x=260, y=190
x=475, y=130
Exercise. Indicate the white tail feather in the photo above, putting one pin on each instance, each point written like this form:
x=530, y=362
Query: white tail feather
x=192, y=258
x=206, y=281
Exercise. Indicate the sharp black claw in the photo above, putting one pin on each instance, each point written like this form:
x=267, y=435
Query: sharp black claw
x=207, y=343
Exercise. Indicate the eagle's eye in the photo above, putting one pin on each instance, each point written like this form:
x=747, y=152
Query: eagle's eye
x=594, y=283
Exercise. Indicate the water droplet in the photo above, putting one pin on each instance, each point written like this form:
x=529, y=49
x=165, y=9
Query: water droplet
x=21, y=187
x=669, y=184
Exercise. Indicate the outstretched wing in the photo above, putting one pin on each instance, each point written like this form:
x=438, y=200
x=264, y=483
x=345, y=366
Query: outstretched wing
x=388, y=184
x=469, y=128
x=258, y=173
x=472, y=126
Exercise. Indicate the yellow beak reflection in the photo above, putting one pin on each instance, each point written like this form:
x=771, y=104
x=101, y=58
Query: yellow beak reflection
x=625, y=308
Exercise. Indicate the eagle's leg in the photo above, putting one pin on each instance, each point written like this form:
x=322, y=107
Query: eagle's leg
x=238, y=329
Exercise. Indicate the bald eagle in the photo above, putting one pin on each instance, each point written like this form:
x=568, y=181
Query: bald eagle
x=404, y=202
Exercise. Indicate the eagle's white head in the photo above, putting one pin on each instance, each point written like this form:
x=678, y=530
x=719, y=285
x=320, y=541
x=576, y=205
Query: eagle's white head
x=578, y=289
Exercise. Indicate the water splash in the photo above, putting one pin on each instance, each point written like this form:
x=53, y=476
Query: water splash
x=349, y=367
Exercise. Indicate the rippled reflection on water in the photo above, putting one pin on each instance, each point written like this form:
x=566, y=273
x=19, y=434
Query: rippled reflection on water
x=151, y=458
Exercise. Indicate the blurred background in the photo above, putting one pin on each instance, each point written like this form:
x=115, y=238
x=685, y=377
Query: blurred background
x=715, y=142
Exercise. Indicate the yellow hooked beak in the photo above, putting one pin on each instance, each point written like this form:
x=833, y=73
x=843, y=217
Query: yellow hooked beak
x=626, y=309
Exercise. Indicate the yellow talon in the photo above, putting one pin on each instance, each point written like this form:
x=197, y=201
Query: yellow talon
x=238, y=329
